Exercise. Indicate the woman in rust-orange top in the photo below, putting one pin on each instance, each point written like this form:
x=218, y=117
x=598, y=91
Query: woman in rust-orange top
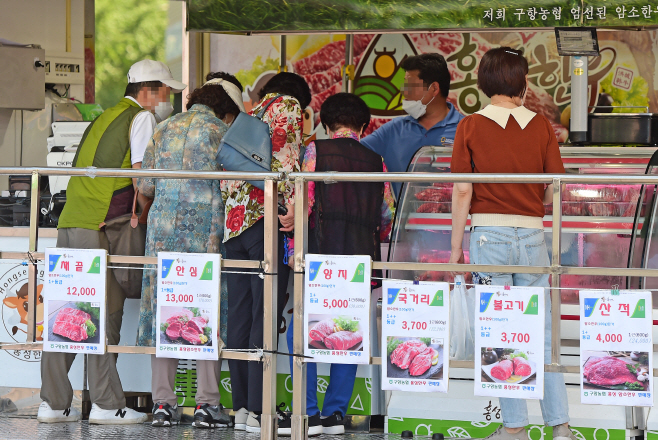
x=507, y=219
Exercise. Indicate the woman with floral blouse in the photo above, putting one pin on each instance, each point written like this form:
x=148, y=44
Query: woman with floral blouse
x=288, y=95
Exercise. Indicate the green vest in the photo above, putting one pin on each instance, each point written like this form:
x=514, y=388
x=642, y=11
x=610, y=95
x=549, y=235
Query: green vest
x=105, y=144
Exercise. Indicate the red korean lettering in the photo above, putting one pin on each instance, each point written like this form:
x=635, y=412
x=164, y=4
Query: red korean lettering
x=180, y=270
x=520, y=305
x=425, y=298
x=414, y=298
x=403, y=298
x=605, y=309
x=64, y=265
x=498, y=305
x=342, y=273
x=327, y=274
x=193, y=271
x=78, y=266
x=624, y=308
x=509, y=305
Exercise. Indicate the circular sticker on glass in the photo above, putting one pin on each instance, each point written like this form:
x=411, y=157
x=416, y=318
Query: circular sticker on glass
x=578, y=63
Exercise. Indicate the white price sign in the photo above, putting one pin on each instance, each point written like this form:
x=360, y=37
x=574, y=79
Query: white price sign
x=337, y=308
x=188, y=306
x=74, y=300
x=616, y=348
x=415, y=336
x=509, y=342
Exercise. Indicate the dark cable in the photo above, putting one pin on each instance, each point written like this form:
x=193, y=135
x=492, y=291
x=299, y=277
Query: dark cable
x=22, y=126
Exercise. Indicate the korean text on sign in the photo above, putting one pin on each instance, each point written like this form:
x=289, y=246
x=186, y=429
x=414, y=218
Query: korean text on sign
x=509, y=342
x=415, y=336
x=74, y=300
x=188, y=306
x=616, y=347
x=337, y=308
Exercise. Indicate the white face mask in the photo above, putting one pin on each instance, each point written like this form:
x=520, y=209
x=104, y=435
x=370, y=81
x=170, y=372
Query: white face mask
x=415, y=109
x=163, y=110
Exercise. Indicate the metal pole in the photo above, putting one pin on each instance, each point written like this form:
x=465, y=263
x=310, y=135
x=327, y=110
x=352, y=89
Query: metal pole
x=555, y=278
x=32, y=279
x=348, y=68
x=283, y=58
x=299, y=420
x=270, y=328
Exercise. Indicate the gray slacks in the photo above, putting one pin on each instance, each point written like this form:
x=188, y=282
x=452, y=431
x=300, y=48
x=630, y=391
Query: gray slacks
x=105, y=388
x=164, y=376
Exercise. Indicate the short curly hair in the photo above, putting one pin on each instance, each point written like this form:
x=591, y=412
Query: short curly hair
x=345, y=110
x=216, y=97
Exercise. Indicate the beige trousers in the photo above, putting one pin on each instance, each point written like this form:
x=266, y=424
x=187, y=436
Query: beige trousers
x=102, y=376
x=164, y=377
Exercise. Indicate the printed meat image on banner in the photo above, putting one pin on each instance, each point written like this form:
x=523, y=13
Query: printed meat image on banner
x=508, y=366
x=622, y=76
x=334, y=333
x=74, y=322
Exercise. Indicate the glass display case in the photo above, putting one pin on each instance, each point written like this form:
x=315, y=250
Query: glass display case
x=597, y=220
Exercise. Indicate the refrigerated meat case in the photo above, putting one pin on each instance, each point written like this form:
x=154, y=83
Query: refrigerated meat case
x=596, y=224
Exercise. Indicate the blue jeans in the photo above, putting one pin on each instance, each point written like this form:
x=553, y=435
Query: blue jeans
x=339, y=391
x=524, y=247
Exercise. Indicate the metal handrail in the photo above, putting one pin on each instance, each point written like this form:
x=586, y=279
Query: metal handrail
x=268, y=356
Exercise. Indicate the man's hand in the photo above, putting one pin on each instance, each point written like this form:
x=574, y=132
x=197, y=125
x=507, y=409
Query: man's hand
x=288, y=220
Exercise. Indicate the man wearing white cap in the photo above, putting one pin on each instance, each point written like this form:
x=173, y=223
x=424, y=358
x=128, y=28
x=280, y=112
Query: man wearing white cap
x=116, y=139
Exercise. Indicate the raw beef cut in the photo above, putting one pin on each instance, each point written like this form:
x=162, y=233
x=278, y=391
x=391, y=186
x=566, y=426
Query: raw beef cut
x=73, y=319
x=343, y=340
x=74, y=332
x=434, y=195
x=182, y=316
x=321, y=330
x=191, y=336
x=192, y=325
x=201, y=321
x=422, y=362
x=70, y=323
x=432, y=207
x=174, y=330
x=609, y=371
x=405, y=353
x=503, y=370
x=601, y=209
x=521, y=367
x=590, y=363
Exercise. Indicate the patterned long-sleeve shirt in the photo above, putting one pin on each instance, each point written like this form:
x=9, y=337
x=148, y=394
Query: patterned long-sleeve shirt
x=308, y=166
x=244, y=202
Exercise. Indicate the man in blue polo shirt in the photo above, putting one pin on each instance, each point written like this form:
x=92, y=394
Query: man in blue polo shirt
x=431, y=120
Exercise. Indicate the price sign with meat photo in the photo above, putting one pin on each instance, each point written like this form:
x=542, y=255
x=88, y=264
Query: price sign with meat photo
x=509, y=342
x=337, y=308
x=415, y=333
x=74, y=307
x=616, y=346
x=188, y=306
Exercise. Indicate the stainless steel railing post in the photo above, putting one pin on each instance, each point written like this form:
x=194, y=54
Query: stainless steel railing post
x=270, y=322
x=555, y=273
x=299, y=420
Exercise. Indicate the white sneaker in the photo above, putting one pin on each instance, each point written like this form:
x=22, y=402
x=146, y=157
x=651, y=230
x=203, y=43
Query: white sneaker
x=48, y=415
x=125, y=416
x=241, y=416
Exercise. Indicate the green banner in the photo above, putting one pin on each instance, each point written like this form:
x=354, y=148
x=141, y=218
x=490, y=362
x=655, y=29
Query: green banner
x=283, y=16
x=462, y=429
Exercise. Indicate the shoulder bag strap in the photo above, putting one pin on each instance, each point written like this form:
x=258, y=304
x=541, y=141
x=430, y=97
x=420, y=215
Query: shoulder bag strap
x=261, y=113
x=134, y=219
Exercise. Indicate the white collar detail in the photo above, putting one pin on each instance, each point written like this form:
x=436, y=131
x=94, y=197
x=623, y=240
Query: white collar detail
x=500, y=115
